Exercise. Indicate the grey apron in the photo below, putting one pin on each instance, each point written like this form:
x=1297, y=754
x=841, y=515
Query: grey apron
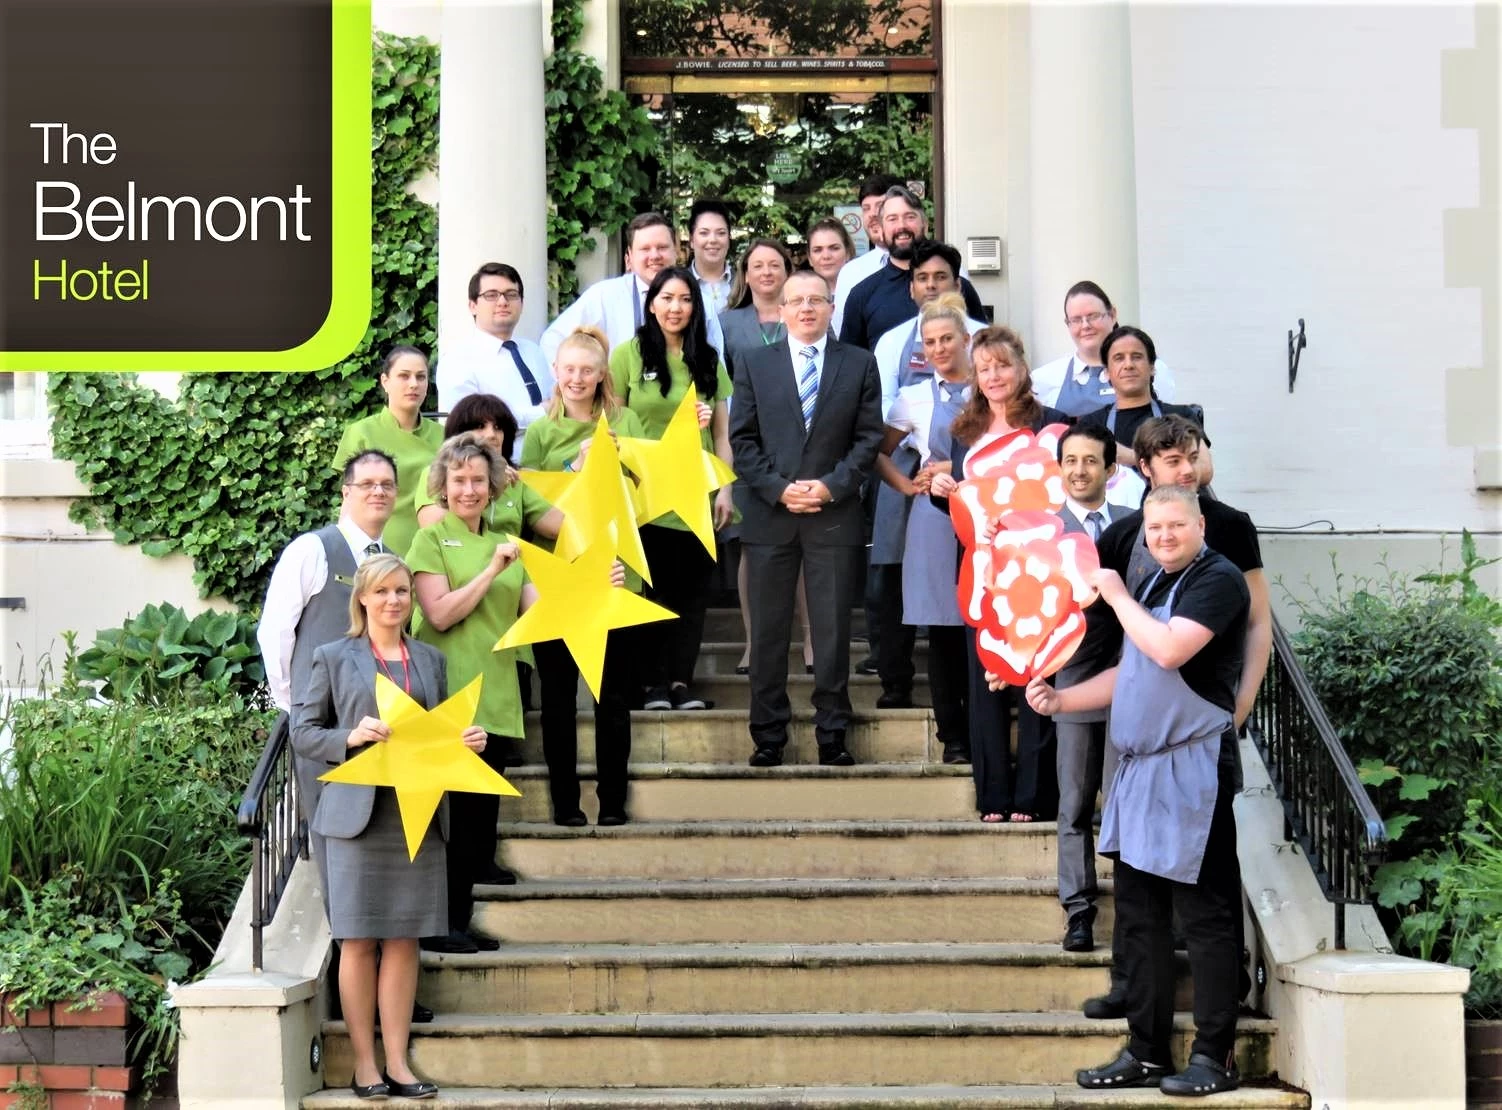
x=928, y=597
x=1162, y=799
x=889, y=522
x=1076, y=399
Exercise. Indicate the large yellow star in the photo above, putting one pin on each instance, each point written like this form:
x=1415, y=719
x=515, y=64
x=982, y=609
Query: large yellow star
x=577, y=604
x=591, y=500
x=677, y=474
x=422, y=757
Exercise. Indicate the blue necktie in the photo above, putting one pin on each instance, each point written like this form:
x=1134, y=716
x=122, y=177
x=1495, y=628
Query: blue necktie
x=1094, y=522
x=808, y=384
x=527, y=379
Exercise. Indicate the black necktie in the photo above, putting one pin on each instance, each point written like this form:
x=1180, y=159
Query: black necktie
x=373, y=549
x=527, y=379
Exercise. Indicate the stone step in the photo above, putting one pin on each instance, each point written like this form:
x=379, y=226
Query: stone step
x=728, y=690
x=740, y=1049
x=720, y=736
x=723, y=624
x=770, y=849
x=721, y=656
x=765, y=978
x=736, y=792
x=938, y=1097
x=776, y=911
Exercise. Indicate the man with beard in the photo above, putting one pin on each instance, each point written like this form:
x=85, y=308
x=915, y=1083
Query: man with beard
x=884, y=300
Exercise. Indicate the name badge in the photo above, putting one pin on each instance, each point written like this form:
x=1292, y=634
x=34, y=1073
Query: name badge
x=344, y=581
x=649, y=375
x=450, y=543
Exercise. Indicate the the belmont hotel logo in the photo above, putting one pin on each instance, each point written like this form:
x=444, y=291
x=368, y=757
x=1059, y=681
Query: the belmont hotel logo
x=184, y=184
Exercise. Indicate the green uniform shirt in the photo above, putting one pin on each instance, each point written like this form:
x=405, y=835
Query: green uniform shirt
x=413, y=452
x=553, y=441
x=643, y=396
x=449, y=548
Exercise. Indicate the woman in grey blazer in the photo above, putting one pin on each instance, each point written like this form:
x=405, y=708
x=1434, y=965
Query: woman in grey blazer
x=379, y=901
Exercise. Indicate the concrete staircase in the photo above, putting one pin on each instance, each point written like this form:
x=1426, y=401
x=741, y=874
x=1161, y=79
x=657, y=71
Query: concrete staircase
x=795, y=937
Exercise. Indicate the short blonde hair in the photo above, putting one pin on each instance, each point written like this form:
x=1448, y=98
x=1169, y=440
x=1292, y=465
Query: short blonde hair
x=372, y=572
x=458, y=450
x=1183, y=495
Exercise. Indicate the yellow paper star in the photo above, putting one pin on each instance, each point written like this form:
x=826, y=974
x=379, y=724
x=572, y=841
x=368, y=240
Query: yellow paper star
x=596, y=497
x=577, y=604
x=677, y=474
x=423, y=756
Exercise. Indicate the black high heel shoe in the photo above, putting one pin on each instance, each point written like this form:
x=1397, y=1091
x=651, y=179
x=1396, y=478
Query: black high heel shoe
x=420, y=1089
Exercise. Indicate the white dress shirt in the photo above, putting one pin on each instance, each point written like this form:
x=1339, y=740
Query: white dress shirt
x=1080, y=512
x=715, y=291
x=300, y=572
x=888, y=354
x=614, y=306
x=479, y=363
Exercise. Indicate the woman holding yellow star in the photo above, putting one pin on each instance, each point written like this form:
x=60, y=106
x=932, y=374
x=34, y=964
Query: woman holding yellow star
x=559, y=440
x=651, y=373
x=379, y=902
x=470, y=590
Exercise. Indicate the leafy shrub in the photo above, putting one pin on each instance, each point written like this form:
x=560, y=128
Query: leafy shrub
x=160, y=656
x=119, y=857
x=1411, y=675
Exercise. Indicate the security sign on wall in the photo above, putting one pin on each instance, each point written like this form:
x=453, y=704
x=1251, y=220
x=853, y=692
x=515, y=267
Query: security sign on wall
x=183, y=185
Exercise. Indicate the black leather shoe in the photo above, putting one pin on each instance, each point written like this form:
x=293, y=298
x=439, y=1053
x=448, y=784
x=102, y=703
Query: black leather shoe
x=421, y=1014
x=866, y=665
x=496, y=875
x=373, y=1092
x=835, y=755
x=1106, y=1007
x=454, y=942
x=571, y=820
x=956, y=753
x=766, y=757
x=483, y=943
x=1203, y=1076
x=613, y=820
x=895, y=699
x=1124, y=1071
x=1080, y=936
x=420, y=1089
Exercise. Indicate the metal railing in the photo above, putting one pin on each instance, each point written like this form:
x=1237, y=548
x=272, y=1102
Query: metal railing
x=269, y=814
x=1326, y=809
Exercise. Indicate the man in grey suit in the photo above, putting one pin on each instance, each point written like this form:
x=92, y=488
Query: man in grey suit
x=805, y=425
x=1085, y=759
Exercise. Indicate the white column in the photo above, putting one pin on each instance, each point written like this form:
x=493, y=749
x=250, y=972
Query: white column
x=1083, y=196
x=492, y=180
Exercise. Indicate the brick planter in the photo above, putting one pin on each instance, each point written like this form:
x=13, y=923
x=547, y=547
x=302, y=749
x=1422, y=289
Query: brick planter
x=1483, y=1064
x=77, y=1057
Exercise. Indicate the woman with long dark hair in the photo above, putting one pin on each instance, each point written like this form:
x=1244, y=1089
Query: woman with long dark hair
x=651, y=373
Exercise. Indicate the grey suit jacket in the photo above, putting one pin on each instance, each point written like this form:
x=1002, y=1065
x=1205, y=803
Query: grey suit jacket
x=772, y=449
x=340, y=690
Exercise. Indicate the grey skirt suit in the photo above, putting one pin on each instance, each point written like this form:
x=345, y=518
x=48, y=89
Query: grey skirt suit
x=374, y=891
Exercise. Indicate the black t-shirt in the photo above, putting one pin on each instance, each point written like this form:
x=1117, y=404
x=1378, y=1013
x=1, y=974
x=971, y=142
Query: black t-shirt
x=1227, y=530
x=1212, y=592
x=1129, y=420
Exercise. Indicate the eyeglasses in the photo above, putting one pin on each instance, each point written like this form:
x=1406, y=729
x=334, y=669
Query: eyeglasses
x=510, y=296
x=374, y=487
x=1091, y=318
x=811, y=301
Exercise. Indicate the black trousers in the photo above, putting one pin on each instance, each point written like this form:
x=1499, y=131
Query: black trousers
x=681, y=575
x=1208, y=912
x=560, y=732
x=473, y=836
x=1032, y=788
x=949, y=684
x=829, y=573
x=893, y=641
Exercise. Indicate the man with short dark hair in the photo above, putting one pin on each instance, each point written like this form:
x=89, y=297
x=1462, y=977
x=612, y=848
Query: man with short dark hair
x=805, y=425
x=617, y=305
x=492, y=358
x=883, y=300
x=1168, y=820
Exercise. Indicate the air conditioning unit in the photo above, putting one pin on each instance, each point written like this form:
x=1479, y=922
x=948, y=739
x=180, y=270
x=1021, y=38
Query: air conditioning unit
x=983, y=254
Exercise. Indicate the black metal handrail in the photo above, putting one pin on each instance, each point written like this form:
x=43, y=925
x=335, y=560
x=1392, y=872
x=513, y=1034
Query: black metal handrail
x=269, y=814
x=1325, y=806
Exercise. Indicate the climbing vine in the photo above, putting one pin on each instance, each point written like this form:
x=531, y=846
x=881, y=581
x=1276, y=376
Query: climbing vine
x=239, y=463
x=598, y=145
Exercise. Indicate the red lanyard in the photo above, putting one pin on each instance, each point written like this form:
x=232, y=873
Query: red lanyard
x=406, y=671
